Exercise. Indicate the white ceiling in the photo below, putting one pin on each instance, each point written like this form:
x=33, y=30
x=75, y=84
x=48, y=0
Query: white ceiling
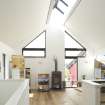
x=22, y=20
x=87, y=23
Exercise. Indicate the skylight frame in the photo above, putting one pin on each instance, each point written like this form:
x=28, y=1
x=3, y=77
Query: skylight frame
x=59, y=8
x=66, y=3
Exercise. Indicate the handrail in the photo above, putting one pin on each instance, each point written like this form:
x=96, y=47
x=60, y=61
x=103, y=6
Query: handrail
x=14, y=99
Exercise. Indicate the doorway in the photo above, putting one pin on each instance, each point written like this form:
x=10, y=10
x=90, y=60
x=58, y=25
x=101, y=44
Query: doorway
x=71, y=72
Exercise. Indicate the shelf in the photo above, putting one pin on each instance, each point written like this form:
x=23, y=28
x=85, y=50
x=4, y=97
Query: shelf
x=18, y=62
x=43, y=82
x=99, y=70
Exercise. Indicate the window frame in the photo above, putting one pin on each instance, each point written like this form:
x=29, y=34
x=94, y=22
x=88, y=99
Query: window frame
x=83, y=49
x=35, y=49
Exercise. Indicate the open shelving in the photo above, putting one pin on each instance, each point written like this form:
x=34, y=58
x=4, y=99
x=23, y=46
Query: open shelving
x=43, y=82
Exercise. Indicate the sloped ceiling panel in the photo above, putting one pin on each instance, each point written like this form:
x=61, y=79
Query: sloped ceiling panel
x=88, y=24
x=22, y=20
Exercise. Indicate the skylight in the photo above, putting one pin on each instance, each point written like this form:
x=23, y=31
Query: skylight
x=66, y=6
x=62, y=9
x=62, y=6
x=67, y=1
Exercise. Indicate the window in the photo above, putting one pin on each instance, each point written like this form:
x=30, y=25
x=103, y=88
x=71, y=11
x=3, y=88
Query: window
x=72, y=47
x=37, y=47
x=73, y=53
x=62, y=6
x=73, y=50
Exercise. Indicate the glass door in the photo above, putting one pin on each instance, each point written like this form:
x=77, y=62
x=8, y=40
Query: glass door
x=71, y=72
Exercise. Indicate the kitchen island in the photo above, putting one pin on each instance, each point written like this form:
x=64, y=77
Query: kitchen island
x=93, y=92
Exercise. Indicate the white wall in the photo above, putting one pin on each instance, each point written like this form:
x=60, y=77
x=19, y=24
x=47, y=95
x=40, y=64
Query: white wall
x=86, y=66
x=5, y=49
x=54, y=47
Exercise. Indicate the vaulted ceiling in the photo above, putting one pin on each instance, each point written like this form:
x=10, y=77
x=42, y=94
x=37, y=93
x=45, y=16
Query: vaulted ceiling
x=22, y=20
x=87, y=23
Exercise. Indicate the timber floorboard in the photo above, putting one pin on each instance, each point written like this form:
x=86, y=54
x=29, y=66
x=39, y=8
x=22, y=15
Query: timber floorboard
x=52, y=97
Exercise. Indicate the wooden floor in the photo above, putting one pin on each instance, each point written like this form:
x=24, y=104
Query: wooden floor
x=52, y=98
